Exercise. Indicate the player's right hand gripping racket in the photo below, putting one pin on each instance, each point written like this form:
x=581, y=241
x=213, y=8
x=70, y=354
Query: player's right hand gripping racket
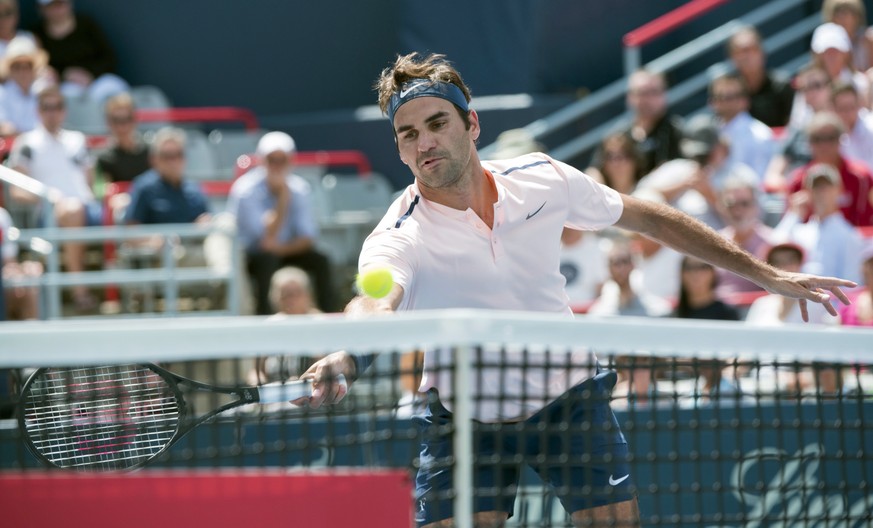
x=121, y=416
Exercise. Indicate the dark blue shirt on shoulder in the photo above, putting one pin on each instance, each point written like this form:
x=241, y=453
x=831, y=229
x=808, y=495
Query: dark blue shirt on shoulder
x=155, y=201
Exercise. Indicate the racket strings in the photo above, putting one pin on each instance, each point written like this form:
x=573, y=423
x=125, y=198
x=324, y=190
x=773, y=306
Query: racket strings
x=100, y=417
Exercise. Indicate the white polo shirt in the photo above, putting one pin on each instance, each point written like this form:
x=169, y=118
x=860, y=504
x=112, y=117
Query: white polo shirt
x=60, y=161
x=446, y=258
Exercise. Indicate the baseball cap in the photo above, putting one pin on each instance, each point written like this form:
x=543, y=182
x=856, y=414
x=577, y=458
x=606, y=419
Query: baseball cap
x=821, y=170
x=275, y=142
x=791, y=246
x=699, y=136
x=828, y=36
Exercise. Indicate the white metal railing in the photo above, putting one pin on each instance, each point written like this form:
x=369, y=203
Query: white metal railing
x=46, y=240
x=169, y=276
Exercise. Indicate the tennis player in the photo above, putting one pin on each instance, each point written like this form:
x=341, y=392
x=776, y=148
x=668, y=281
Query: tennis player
x=469, y=233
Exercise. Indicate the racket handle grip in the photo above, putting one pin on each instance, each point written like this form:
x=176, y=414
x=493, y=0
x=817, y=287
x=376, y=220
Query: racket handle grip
x=284, y=392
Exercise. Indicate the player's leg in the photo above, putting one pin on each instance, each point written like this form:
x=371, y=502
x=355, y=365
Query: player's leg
x=619, y=514
x=495, y=484
x=596, y=487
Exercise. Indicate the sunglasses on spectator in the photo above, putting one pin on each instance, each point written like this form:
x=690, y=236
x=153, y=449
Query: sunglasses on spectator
x=739, y=203
x=622, y=261
x=813, y=86
x=51, y=107
x=171, y=154
x=21, y=66
x=727, y=96
x=824, y=138
x=277, y=160
x=616, y=156
x=8, y=13
x=121, y=120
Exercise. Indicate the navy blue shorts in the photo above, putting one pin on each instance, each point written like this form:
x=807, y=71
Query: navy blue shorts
x=574, y=444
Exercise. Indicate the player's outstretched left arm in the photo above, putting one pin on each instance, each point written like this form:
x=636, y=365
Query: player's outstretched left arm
x=681, y=232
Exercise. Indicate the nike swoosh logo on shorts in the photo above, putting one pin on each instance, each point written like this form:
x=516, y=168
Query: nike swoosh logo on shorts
x=616, y=482
x=533, y=214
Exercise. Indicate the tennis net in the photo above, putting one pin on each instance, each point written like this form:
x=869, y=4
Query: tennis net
x=725, y=425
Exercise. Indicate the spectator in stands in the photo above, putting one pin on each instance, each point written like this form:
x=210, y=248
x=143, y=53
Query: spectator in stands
x=738, y=200
x=698, y=300
x=276, y=224
x=770, y=94
x=832, y=50
x=655, y=132
x=290, y=294
x=860, y=312
x=774, y=310
x=20, y=65
x=857, y=142
x=813, y=95
x=852, y=16
x=824, y=132
x=620, y=164
x=79, y=52
x=16, y=303
x=59, y=159
x=127, y=155
x=9, y=26
x=831, y=243
x=618, y=296
x=583, y=265
x=162, y=195
x=751, y=141
x=691, y=183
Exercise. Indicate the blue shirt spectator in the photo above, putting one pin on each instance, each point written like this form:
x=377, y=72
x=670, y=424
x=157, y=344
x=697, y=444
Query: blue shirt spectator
x=154, y=200
x=257, y=198
x=162, y=195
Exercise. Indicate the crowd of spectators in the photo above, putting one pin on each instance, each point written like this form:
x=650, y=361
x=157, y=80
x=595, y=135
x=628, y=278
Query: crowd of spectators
x=804, y=141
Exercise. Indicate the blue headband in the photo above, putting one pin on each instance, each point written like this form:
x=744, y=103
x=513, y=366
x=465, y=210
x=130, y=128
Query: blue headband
x=426, y=88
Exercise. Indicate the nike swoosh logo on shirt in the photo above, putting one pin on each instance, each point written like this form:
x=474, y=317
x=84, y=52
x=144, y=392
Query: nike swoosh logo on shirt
x=616, y=482
x=533, y=214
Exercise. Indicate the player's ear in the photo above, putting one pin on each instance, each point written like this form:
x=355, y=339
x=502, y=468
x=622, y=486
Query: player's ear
x=474, y=125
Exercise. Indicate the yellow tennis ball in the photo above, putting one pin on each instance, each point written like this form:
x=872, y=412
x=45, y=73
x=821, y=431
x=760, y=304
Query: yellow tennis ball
x=375, y=283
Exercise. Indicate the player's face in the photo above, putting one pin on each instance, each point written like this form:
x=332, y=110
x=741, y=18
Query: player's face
x=434, y=142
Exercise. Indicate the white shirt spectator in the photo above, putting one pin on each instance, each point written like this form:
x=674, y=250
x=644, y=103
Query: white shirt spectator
x=751, y=142
x=659, y=274
x=833, y=245
x=858, y=143
x=583, y=264
x=60, y=162
x=19, y=108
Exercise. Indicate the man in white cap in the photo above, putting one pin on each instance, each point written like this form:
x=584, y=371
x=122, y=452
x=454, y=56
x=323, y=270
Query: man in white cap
x=276, y=224
x=832, y=49
x=20, y=66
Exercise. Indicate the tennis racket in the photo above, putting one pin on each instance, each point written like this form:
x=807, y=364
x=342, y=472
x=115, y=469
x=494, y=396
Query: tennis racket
x=122, y=416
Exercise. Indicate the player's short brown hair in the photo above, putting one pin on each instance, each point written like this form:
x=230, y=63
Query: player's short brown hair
x=434, y=67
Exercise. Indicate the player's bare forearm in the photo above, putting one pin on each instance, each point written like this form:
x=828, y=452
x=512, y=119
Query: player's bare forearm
x=363, y=305
x=688, y=235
